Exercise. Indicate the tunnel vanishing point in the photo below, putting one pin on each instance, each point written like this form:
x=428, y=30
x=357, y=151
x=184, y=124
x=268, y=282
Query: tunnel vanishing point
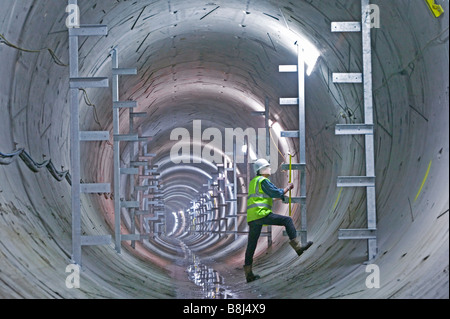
x=218, y=63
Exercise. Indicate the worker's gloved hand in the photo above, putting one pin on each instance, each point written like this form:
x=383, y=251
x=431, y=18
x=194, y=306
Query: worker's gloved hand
x=290, y=186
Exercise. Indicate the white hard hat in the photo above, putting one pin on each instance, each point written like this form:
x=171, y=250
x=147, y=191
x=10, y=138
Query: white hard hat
x=260, y=164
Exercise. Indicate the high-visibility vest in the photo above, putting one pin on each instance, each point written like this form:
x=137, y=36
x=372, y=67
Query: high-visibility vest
x=259, y=205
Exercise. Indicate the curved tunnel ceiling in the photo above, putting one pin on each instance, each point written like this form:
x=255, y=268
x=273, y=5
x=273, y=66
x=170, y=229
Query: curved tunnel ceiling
x=216, y=63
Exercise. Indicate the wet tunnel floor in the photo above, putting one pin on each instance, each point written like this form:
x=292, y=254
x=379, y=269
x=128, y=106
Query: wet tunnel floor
x=203, y=278
x=196, y=278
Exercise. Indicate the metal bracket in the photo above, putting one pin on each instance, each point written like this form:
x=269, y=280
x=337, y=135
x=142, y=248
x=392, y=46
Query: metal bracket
x=346, y=26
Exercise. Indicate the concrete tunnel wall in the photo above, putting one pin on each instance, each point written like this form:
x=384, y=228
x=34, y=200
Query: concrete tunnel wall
x=216, y=62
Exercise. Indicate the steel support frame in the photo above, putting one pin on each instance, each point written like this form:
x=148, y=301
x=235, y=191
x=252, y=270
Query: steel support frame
x=301, y=135
x=118, y=138
x=76, y=137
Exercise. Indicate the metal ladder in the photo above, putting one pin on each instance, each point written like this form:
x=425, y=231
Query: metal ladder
x=301, y=135
x=118, y=138
x=78, y=83
x=232, y=199
x=366, y=129
x=150, y=190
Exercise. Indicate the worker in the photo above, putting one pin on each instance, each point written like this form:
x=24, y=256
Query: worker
x=261, y=192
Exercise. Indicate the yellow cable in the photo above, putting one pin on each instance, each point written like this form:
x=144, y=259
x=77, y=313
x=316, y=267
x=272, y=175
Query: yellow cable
x=424, y=180
x=337, y=199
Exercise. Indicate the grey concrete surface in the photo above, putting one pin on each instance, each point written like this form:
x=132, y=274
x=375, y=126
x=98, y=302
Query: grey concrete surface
x=216, y=62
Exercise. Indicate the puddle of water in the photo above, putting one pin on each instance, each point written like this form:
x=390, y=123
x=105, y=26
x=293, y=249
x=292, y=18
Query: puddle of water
x=208, y=279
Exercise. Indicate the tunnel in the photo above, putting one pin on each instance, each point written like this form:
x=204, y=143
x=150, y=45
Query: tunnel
x=202, y=68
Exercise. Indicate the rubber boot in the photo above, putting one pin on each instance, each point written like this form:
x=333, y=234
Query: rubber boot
x=298, y=248
x=249, y=275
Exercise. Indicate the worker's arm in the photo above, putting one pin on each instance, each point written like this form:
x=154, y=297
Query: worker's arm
x=271, y=190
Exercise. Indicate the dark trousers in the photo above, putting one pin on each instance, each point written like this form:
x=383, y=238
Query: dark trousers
x=255, y=231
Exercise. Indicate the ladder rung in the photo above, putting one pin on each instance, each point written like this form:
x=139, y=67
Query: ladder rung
x=124, y=104
x=351, y=26
x=129, y=204
x=150, y=155
x=125, y=138
x=347, y=78
x=357, y=234
x=127, y=237
x=139, y=163
x=295, y=167
x=148, y=177
x=129, y=171
x=145, y=138
x=294, y=200
x=88, y=30
x=85, y=83
x=123, y=71
x=91, y=136
x=289, y=134
x=143, y=188
x=288, y=68
x=156, y=205
x=354, y=129
x=289, y=101
x=95, y=240
x=95, y=188
x=135, y=237
x=142, y=212
x=151, y=196
x=356, y=181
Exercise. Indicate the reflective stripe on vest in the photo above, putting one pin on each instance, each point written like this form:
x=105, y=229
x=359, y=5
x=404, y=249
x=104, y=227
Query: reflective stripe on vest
x=259, y=204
